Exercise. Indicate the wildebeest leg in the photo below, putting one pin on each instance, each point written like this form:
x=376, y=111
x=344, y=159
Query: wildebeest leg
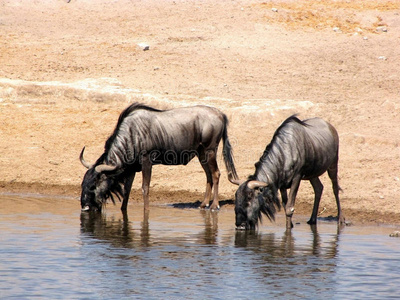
x=209, y=184
x=318, y=188
x=284, y=197
x=127, y=190
x=215, y=174
x=289, y=209
x=146, y=173
x=332, y=172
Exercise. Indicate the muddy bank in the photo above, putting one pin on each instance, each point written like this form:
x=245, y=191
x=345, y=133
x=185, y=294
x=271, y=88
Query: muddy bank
x=187, y=199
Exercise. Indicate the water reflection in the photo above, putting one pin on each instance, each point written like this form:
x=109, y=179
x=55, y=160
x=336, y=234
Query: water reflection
x=209, y=236
x=289, y=262
x=285, y=245
x=116, y=231
x=50, y=252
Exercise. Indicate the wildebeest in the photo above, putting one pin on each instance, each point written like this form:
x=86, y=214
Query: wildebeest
x=299, y=150
x=146, y=136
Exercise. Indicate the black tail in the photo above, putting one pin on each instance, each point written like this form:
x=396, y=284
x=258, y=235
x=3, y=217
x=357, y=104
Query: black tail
x=228, y=154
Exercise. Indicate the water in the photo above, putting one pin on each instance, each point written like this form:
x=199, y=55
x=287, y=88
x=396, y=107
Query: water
x=49, y=251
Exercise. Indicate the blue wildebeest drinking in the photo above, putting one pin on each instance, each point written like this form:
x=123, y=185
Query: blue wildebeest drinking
x=299, y=150
x=146, y=136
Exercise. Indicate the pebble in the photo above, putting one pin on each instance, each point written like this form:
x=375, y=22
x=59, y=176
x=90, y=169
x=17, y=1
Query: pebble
x=144, y=46
x=381, y=29
x=274, y=9
x=382, y=57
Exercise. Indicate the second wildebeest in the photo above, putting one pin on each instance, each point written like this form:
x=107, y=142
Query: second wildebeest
x=146, y=136
x=299, y=150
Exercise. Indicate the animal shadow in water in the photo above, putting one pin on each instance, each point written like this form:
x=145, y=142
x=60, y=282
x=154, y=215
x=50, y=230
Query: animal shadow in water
x=116, y=232
x=197, y=204
x=334, y=219
x=286, y=246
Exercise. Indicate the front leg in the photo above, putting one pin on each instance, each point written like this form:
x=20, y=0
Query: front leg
x=289, y=209
x=127, y=190
x=284, y=197
x=146, y=173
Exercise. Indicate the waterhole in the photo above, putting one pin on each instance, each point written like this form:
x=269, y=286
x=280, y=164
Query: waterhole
x=49, y=250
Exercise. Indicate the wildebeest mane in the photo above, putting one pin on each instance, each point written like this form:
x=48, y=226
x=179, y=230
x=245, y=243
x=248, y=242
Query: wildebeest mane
x=115, y=187
x=274, y=147
x=127, y=111
x=271, y=161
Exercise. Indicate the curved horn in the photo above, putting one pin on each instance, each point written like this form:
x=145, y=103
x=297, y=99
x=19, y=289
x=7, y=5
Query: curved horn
x=253, y=184
x=83, y=161
x=234, y=181
x=104, y=168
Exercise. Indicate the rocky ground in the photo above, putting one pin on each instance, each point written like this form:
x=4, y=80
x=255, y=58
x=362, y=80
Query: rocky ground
x=68, y=70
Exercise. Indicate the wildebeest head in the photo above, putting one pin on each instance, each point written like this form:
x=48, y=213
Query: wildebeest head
x=99, y=184
x=254, y=198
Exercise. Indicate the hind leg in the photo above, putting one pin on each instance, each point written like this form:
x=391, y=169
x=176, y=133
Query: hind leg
x=209, y=185
x=318, y=188
x=208, y=160
x=333, y=175
x=215, y=174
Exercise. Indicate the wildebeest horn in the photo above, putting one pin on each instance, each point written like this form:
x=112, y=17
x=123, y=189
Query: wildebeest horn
x=83, y=161
x=253, y=184
x=105, y=168
x=234, y=181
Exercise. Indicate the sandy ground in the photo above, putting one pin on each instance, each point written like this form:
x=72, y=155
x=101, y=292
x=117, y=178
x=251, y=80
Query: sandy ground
x=68, y=69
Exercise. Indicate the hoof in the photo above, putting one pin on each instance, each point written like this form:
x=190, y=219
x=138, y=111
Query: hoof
x=241, y=228
x=85, y=208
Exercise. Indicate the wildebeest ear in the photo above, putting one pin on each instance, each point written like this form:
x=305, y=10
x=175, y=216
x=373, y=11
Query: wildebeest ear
x=253, y=184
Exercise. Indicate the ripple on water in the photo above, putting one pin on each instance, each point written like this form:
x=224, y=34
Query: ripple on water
x=49, y=250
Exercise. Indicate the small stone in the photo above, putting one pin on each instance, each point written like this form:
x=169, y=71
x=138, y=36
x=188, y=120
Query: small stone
x=382, y=57
x=336, y=29
x=144, y=46
x=381, y=29
x=274, y=9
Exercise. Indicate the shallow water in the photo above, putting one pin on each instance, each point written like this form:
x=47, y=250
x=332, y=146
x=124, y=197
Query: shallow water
x=50, y=251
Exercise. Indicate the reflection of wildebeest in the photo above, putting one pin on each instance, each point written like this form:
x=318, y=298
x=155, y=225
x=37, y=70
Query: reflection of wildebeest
x=299, y=150
x=145, y=136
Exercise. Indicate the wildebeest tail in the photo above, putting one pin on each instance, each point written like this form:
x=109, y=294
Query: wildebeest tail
x=228, y=153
